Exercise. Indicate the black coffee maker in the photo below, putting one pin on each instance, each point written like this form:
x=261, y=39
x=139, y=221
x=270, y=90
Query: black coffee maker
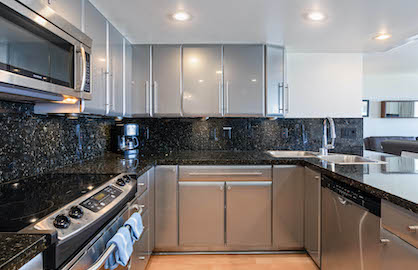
x=125, y=139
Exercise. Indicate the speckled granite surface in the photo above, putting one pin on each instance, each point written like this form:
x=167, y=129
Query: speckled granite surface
x=18, y=249
x=245, y=134
x=34, y=144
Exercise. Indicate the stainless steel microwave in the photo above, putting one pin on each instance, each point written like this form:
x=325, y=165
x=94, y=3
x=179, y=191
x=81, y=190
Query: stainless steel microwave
x=42, y=56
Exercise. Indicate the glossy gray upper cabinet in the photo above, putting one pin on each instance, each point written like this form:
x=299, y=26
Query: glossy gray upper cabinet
x=141, y=87
x=244, y=80
x=276, y=94
x=70, y=10
x=166, y=73
x=127, y=78
x=202, y=80
x=114, y=89
x=95, y=27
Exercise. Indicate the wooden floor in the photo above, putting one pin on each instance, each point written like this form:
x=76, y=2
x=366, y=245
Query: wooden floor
x=232, y=262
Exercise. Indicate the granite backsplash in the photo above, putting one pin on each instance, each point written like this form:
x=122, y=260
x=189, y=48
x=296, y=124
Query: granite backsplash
x=31, y=144
x=245, y=134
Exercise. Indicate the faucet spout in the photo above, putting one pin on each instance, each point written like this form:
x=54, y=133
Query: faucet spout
x=325, y=146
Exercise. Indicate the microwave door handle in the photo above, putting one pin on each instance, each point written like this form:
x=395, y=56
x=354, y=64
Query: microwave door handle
x=84, y=68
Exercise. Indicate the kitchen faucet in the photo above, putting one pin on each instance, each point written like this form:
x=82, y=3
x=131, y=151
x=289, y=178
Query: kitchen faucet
x=325, y=146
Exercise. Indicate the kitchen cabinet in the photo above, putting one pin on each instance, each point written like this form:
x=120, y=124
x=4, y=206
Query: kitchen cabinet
x=114, y=81
x=127, y=78
x=244, y=92
x=277, y=91
x=288, y=205
x=95, y=27
x=166, y=214
x=141, y=76
x=166, y=74
x=202, y=80
x=151, y=198
x=396, y=253
x=248, y=214
x=69, y=10
x=312, y=214
x=201, y=213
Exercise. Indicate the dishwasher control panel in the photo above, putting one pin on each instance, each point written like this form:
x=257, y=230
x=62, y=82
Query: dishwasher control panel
x=355, y=195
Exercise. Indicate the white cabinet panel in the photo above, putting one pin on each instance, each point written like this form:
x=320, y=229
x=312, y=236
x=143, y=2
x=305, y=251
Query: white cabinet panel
x=202, y=80
x=166, y=68
x=95, y=28
x=141, y=87
x=244, y=80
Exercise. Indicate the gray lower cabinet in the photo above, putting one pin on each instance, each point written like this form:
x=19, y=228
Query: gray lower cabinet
x=248, y=214
x=166, y=214
x=201, y=214
x=397, y=254
x=312, y=217
x=288, y=205
x=151, y=202
x=244, y=80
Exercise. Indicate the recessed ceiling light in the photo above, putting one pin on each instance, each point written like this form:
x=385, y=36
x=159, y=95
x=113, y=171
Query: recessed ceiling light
x=382, y=36
x=315, y=16
x=181, y=16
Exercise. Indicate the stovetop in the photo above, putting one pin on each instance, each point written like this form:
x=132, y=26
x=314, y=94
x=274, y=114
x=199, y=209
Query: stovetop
x=28, y=200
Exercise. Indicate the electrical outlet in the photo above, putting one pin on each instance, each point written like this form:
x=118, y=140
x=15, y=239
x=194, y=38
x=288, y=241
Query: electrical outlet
x=227, y=132
x=213, y=135
x=285, y=133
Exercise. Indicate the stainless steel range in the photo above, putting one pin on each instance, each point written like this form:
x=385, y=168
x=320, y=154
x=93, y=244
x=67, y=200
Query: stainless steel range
x=80, y=211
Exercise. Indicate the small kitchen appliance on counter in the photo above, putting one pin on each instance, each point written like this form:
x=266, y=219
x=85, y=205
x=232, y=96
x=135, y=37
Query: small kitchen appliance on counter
x=125, y=139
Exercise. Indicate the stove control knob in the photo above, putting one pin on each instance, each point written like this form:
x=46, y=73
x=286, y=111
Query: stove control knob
x=76, y=212
x=120, y=182
x=127, y=179
x=62, y=222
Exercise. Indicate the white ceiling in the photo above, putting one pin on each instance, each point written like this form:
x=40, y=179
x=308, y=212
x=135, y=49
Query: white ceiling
x=350, y=26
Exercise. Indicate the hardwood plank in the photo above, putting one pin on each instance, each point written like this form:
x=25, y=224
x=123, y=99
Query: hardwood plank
x=232, y=262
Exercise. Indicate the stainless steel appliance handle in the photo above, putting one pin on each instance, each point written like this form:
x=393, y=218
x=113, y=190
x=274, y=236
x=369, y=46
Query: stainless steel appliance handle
x=102, y=259
x=342, y=200
x=227, y=174
x=84, y=68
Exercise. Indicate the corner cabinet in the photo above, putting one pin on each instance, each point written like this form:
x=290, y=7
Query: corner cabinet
x=202, y=80
x=244, y=80
x=114, y=81
x=277, y=91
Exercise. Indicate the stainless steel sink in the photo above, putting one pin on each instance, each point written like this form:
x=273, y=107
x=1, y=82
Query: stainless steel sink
x=290, y=154
x=349, y=159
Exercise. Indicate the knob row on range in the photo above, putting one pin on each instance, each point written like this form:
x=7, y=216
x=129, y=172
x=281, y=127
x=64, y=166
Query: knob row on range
x=63, y=222
x=123, y=181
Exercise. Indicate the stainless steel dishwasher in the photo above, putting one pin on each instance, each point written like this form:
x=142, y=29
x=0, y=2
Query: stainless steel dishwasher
x=350, y=226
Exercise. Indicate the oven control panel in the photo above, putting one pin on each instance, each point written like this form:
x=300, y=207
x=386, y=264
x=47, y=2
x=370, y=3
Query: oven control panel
x=102, y=198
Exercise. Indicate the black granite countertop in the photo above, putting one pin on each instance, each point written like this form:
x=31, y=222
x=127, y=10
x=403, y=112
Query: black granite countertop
x=395, y=181
x=18, y=249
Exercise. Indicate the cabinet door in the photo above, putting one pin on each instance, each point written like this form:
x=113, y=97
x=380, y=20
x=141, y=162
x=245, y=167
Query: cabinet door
x=248, y=214
x=140, y=256
x=166, y=223
x=95, y=28
x=69, y=10
x=141, y=92
x=166, y=72
x=244, y=80
x=288, y=204
x=202, y=80
x=115, y=72
x=275, y=81
x=127, y=78
x=201, y=213
x=151, y=208
x=397, y=254
x=312, y=218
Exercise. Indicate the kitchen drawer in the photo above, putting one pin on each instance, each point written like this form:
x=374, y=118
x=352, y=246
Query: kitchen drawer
x=400, y=222
x=397, y=254
x=142, y=200
x=145, y=219
x=142, y=182
x=225, y=173
x=141, y=253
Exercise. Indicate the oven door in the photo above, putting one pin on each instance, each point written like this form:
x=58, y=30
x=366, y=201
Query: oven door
x=92, y=256
x=36, y=54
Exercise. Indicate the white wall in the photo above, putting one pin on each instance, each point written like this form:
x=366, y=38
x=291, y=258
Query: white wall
x=325, y=84
x=390, y=76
